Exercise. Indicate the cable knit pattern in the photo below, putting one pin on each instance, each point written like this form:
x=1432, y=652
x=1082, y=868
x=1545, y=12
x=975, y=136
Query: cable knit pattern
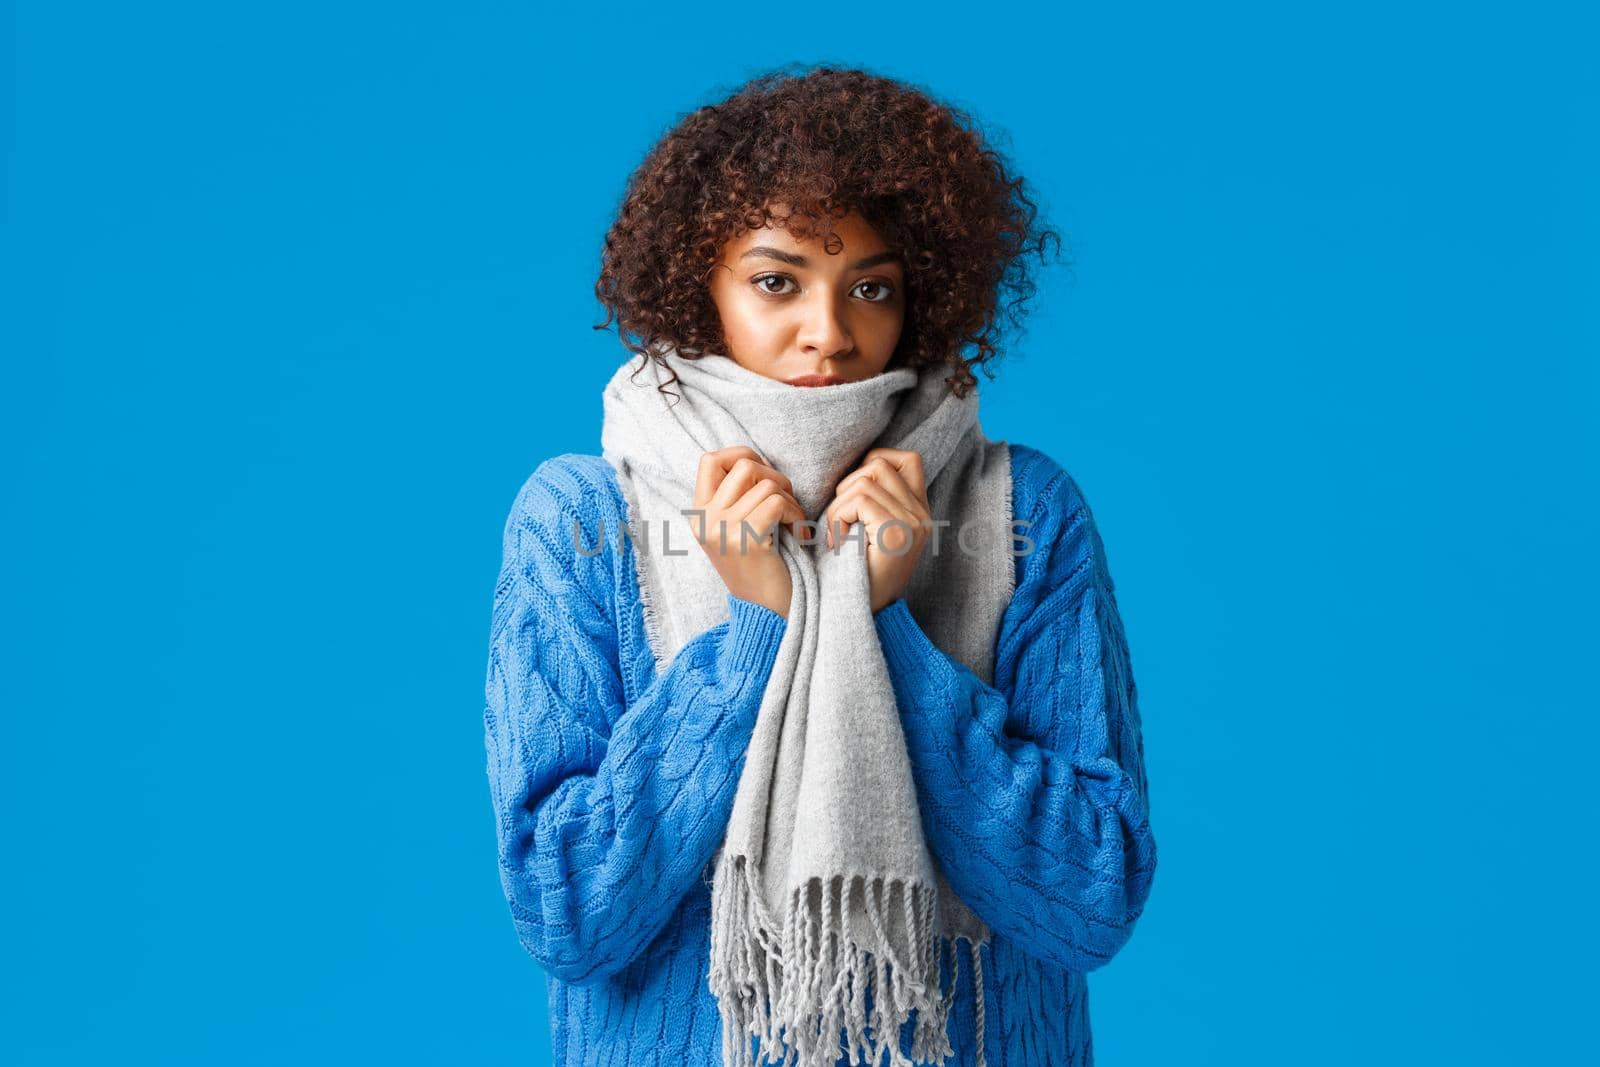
x=612, y=783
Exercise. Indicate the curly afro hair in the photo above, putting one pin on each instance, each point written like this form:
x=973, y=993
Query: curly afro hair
x=826, y=142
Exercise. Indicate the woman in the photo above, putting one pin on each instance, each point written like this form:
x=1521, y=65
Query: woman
x=701, y=756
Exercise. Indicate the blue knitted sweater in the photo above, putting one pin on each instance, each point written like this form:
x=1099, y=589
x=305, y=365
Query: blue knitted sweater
x=612, y=783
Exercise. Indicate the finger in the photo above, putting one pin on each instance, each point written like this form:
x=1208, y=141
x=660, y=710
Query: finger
x=858, y=509
x=770, y=471
x=881, y=472
x=758, y=494
x=868, y=505
x=744, y=473
x=770, y=512
x=740, y=476
x=840, y=514
x=877, y=468
x=763, y=470
x=877, y=506
x=908, y=462
x=714, y=467
x=733, y=501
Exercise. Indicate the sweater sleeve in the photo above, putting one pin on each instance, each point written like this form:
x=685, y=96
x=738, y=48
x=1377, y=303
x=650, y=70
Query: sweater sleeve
x=1033, y=794
x=605, y=813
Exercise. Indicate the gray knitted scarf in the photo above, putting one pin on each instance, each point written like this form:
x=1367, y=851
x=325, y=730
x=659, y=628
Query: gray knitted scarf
x=824, y=888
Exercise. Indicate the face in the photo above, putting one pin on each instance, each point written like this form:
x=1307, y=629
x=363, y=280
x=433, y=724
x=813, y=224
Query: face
x=789, y=309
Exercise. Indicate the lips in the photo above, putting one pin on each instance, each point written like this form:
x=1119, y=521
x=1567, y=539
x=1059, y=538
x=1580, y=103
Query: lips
x=812, y=380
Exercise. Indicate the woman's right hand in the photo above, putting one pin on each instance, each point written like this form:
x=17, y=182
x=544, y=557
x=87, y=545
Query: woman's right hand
x=736, y=485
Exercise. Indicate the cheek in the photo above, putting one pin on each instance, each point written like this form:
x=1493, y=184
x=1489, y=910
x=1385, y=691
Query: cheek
x=750, y=321
x=881, y=332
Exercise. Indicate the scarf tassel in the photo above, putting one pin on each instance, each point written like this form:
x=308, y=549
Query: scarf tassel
x=797, y=995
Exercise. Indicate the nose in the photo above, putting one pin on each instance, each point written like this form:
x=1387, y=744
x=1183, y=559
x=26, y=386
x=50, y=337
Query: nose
x=824, y=333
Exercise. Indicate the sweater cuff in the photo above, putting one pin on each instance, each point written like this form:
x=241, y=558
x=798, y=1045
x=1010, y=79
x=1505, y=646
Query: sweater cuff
x=754, y=632
x=905, y=646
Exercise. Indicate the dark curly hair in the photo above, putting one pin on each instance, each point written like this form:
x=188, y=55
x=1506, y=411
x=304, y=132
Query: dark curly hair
x=825, y=142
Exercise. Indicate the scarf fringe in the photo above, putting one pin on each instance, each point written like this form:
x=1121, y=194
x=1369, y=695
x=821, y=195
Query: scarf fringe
x=636, y=531
x=794, y=986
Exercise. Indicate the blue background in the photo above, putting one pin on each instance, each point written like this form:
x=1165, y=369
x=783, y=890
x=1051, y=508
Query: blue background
x=297, y=295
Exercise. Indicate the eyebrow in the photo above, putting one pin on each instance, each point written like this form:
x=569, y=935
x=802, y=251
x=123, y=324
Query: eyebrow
x=800, y=261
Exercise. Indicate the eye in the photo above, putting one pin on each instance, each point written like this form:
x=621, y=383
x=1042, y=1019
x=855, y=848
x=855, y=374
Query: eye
x=761, y=281
x=884, y=288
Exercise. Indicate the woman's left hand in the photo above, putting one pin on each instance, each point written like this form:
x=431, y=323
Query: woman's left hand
x=887, y=488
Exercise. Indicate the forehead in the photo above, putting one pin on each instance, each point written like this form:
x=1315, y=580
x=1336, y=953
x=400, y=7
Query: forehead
x=857, y=235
